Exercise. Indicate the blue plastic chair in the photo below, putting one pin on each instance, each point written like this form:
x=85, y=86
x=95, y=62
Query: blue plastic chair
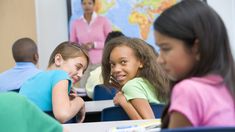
x=116, y=113
x=157, y=109
x=201, y=129
x=102, y=92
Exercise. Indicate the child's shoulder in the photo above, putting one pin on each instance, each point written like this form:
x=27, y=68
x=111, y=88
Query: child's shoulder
x=56, y=72
x=137, y=79
x=11, y=96
x=45, y=75
x=50, y=74
x=194, y=84
x=208, y=79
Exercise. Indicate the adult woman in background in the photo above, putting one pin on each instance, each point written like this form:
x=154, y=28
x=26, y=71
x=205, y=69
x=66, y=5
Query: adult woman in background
x=90, y=31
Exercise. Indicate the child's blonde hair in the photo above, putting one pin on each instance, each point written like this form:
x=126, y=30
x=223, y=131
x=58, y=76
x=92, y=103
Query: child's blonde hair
x=68, y=50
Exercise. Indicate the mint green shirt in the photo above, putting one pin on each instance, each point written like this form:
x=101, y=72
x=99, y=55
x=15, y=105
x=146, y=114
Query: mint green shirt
x=17, y=114
x=140, y=88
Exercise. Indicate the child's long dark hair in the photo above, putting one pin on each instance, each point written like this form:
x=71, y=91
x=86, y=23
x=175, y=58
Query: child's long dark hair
x=190, y=20
x=151, y=71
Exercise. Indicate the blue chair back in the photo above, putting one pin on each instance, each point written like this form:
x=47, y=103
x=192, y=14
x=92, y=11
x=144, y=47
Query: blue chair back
x=201, y=129
x=102, y=92
x=157, y=109
x=116, y=113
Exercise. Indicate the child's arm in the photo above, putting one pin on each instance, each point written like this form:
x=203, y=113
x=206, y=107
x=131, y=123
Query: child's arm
x=120, y=99
x=178, y=120
x=136, y=108
x=143, y=107
x=63, y=108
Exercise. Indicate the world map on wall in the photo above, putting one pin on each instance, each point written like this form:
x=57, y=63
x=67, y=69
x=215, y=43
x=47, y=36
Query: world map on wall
x=133, y=17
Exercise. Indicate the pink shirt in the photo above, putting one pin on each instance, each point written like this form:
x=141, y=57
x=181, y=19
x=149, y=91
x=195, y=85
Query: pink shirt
x=204, y=101
x=96, y=31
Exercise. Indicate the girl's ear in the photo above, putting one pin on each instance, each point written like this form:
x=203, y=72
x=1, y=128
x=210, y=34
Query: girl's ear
x=195, y=49
x=58, y=60
x=141, y=65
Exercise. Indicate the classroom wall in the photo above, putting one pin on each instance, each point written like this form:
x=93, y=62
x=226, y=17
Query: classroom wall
x=17, y=19
x=226, y=9
x=49, y=26
x=51, y=17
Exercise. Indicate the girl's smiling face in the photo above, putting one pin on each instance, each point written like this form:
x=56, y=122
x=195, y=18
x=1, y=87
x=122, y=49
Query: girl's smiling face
x=124, y=64
x=75, y=67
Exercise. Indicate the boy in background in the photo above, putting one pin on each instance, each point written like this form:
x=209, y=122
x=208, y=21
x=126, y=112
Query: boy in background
x=25, y=54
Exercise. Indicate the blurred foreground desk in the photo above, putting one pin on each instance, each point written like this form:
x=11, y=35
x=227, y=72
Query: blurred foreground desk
x=94, y=109
x=110, y=126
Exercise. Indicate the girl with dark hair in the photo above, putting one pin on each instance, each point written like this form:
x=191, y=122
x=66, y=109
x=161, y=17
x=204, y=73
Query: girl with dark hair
x=195, y=53
x=131, y=66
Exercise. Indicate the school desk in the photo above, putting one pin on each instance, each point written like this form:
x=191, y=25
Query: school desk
x=110, y=126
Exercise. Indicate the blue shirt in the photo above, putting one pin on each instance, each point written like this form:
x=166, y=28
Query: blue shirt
x=13, y=78
x=39, y=88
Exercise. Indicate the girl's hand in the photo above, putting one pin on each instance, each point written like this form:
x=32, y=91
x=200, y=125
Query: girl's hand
x=72, y=94
x=115, y=83
x=119, y=99
x=88, y=46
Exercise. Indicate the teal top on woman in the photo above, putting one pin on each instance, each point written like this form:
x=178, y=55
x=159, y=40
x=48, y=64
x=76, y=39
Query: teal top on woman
x=39, y=88
x=17, y=114
x=140, y=88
